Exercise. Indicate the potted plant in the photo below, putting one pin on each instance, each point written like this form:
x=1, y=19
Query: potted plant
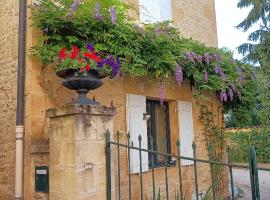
x=83, y=69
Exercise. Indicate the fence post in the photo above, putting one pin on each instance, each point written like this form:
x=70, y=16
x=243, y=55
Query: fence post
x=210, y=152
x=254, y=179
x=108, y=164
x=179, y=169
x=195, y=170
x=129, y=175
x=229, y=153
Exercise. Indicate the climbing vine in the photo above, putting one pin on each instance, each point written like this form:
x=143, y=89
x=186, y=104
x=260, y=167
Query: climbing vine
x=216, y=144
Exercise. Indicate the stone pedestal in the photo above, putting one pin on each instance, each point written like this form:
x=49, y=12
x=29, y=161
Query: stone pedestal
x=77, y=151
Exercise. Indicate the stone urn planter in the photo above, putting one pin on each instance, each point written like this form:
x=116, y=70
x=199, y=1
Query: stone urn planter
x=82, y=83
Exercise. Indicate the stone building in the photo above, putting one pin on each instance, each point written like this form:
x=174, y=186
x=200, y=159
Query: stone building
x=194, y=19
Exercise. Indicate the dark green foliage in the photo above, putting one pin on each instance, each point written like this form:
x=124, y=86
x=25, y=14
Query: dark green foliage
x=257, y=51
x=241, y=142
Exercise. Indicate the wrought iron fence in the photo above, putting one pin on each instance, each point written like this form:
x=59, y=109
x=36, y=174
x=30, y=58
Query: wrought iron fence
x=179, y=195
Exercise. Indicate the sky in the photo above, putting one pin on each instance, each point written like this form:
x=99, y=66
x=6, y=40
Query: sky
x=229, y=16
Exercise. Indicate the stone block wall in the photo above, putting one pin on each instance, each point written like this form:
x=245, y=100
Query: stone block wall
x=194, y=19
x=8, y=77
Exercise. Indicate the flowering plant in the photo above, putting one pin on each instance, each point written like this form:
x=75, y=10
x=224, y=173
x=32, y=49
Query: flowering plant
x=123, y=46
x=86, y=60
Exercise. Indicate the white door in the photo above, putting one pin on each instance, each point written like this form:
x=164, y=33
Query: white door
x=136, y=125
x=186, y=131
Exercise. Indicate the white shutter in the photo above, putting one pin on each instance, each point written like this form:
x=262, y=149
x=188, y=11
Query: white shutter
x=149, y=11
x=186, y=131
x=136, y=125
x=152, y=11
x=165, y=10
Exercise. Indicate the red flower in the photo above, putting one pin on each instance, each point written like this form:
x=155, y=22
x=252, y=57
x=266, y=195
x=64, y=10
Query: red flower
x=87, y=67
x=98, y=59
x=93, y=56
x=79, y=59
x=82, y=69
x=75, y=48
x=62, y=53
x=73, y=54
x=87, y=54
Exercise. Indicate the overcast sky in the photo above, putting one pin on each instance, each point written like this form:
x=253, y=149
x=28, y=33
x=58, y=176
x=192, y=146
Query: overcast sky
x=228, y=16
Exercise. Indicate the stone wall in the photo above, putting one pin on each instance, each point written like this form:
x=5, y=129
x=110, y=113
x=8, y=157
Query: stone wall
x=194, y=19
x=8, y=72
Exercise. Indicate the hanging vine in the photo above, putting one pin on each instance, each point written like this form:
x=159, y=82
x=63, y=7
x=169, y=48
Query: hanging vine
x=215, y=139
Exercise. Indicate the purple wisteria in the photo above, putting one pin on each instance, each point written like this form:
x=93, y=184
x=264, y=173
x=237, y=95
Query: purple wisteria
x=199, y=58
x=113, y=15
x=207, y=58
x=231, y=94
x=223, y=96
x=232, y=86
x=97, y=12
x=190, y=56
x=179, y=75
x=161, y=93
x=90, y=47
x=218, y=70
x=205, y=76
x=239, y=94
x=114, y=63
x=74, y=7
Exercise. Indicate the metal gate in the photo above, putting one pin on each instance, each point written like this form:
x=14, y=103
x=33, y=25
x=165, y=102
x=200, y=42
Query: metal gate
x=252, y=167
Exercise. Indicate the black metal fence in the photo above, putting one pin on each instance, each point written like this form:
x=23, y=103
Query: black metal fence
x=179, y=195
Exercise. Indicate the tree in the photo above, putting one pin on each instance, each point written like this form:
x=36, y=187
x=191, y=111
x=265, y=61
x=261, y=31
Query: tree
x=257, y=50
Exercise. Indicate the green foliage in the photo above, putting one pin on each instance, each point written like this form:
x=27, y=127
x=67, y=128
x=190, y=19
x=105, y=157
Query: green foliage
x=241, y=142
x=153, y=50
x=216, y=142
x=257, y=50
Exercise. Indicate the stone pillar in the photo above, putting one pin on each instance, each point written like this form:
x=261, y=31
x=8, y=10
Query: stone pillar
x=77, y=165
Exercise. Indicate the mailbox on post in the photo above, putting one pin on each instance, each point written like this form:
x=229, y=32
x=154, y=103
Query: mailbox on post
x=42, y=179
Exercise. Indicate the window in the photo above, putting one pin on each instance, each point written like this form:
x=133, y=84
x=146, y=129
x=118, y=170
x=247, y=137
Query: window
x=159, y=128
x=152, y=11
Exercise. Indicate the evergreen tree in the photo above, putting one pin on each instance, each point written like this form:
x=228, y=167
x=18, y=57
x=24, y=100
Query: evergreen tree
x=257, y=50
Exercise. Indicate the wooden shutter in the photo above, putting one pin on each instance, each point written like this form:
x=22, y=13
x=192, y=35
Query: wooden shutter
x=165, y=10
x=152, y=11
x=136, y=125
x=149, y=11
x=186, y=131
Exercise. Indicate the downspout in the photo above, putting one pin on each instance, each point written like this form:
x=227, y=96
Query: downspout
x=20, y=102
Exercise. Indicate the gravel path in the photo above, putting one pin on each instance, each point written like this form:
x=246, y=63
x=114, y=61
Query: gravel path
x=242, y=183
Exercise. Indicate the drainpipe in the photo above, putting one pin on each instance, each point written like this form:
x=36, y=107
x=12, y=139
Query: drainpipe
x=20, y=102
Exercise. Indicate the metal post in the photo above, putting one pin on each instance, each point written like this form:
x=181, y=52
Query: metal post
x=129, y=176
x=210, y=151
x=229, y=153
x=108, y=164
x=153, y=166
x=140, y=154
x=179, y=169
x=165, y=168
x=118, y=165
x=254, y=179
x=195, y=171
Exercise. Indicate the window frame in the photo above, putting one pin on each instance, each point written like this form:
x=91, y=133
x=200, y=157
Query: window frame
x=153, y=130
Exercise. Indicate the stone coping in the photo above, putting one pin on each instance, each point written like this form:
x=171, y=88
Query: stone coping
x=71, y=109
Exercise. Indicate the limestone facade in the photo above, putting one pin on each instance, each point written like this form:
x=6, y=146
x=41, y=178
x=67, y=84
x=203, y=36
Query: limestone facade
x=8, y=77
x=44, y=91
